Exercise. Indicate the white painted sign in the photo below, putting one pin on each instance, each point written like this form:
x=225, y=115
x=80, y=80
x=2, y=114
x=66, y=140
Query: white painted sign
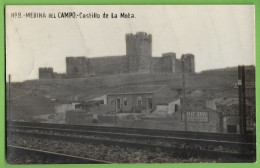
x=196, y=116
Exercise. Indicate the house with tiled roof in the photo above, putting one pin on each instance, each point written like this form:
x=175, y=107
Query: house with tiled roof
x=141, y=97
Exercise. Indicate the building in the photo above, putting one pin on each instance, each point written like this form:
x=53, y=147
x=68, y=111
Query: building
x=168, y=107
x=139, y=98
x=199, y=116
x=138, y=59
x=84, y=112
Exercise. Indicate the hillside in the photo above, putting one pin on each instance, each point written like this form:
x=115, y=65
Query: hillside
x=88, y=88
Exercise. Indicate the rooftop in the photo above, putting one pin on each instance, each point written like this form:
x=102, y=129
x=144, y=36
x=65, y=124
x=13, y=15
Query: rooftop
x=91, y=103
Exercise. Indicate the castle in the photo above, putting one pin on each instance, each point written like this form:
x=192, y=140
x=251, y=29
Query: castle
x=138, y=59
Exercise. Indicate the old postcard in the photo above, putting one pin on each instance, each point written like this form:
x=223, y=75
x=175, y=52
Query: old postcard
x=130, y=84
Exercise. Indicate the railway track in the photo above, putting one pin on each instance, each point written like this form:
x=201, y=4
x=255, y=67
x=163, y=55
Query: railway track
x=149, y=132
x=129, y=137
x=50, y=157
x=218, y=146
x=188, y=151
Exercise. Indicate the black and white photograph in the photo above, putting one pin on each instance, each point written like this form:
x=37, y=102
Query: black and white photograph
x=109, y=84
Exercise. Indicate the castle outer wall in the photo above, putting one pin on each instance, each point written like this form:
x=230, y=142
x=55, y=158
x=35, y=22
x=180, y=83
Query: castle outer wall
x=76, y=66
x=48, y=73
x=82, y=66
x=138, y=59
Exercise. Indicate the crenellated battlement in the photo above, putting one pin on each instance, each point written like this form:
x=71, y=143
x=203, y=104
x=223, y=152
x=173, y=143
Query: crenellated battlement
x=139, y=36
x=81, y=58
x=48, y=73
x=187, y=56
x=169, y=54
x=46, y=69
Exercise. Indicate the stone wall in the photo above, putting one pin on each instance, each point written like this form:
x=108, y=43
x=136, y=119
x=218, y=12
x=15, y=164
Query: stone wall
x=48, y=73
x=77, y=66
x=108, y=65
x=175, y=123
x=82, y=66
x=59, y=75
x=156, y=65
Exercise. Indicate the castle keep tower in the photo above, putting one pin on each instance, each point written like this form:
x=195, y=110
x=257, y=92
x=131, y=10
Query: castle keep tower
x=139, y=52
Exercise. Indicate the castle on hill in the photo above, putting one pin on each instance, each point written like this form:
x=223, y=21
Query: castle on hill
x=138, y=59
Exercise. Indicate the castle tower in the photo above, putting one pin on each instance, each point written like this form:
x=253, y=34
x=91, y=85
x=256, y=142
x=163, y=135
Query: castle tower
x=189, y=63
x=139, y=52
x=168, y=62
x=45, y=73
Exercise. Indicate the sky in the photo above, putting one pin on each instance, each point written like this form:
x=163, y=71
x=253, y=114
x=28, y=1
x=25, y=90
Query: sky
x=219, y=36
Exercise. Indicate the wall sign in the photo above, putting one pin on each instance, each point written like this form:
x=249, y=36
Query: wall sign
x=196, y=116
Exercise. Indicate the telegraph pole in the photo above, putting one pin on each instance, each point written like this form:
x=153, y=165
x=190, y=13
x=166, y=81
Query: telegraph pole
x=115, y=113
x=244, y=98
x=242, y=101
x=183, y=86
x=9, y=98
